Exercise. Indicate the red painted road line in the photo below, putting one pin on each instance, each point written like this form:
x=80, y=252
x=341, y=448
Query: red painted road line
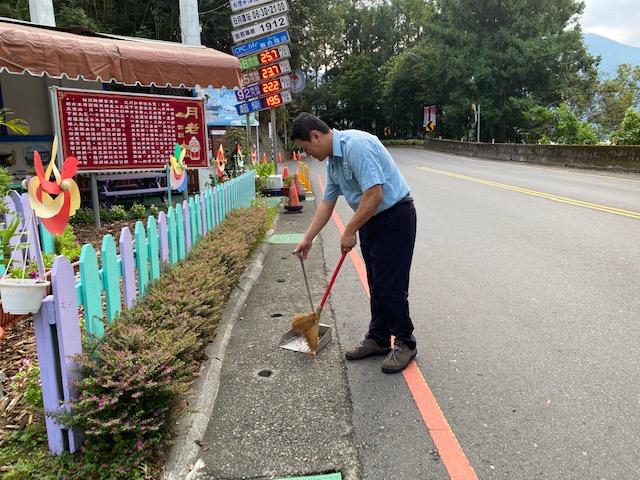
x=453, y=458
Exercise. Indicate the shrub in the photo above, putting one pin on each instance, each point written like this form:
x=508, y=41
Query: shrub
x=136, y=376
x=400, y=142
x=83, y=215
x=137, y=211
x=117, y=212
x=131, y=386
x=67, y=244
x=154, y=210
x=27, y=384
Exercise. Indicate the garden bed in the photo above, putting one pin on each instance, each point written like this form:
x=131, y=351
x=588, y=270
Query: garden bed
x=19, y=340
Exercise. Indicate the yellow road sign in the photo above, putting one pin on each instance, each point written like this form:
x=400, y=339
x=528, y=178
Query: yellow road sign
x=430, y=126
x=387, y=131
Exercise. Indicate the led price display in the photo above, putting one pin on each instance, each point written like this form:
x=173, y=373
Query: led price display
x=270, y=86
x=270, y=71
x=272, y=100
x=269, y=56
x=266, y=57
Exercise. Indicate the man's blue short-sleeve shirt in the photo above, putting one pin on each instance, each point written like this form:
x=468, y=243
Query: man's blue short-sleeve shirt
x=360, y=162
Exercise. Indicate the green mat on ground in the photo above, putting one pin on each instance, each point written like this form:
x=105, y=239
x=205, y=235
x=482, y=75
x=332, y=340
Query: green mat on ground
x=286, y=238
x=328, y=476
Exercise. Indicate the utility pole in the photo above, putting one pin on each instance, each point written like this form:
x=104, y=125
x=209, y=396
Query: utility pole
x=41, y=12
x=190, y=23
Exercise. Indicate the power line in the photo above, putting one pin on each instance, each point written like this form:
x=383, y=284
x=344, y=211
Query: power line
x=215, y=9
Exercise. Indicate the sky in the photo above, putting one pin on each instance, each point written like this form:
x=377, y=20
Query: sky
x=618, y=20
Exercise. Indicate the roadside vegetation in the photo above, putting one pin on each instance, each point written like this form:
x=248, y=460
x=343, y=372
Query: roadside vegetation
x=375, y=65
x=136, y=377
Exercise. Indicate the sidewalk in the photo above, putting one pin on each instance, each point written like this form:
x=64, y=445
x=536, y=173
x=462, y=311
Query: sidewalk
x=259, y=411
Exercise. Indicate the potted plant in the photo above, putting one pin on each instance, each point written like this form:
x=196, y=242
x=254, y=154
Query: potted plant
x=263, y=171
x=21, y=291
x=286, y=185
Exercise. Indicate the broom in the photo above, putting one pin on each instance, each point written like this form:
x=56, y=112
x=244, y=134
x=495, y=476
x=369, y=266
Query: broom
x=308, y=324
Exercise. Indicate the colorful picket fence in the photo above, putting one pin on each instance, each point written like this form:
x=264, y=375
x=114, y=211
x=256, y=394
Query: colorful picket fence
x=113, y=279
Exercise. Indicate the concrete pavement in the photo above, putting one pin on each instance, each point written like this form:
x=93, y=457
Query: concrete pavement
x=259, y=411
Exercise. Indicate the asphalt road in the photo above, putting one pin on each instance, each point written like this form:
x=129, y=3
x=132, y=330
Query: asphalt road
x=525, y=299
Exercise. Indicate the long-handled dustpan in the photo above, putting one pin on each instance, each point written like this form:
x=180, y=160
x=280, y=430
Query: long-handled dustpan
x=308, y=324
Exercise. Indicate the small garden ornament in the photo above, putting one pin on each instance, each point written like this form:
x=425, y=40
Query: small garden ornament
x=178, y=174
x=53, y=201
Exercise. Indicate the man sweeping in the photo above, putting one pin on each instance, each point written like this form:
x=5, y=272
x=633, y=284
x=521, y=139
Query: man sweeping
x=360, y=168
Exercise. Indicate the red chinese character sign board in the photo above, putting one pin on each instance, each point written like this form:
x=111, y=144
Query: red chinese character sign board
x=116, y=131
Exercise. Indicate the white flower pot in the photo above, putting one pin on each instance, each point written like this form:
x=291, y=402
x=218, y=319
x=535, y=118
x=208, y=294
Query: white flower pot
x=22, y=295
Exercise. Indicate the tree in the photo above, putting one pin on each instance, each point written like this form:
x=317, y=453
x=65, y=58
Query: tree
x=333, y=39
x=19, y=126
x=12, y=9
x=359, y=92
x=629, y=131
x=498, y=54
x=559, y=125
x=615, y=97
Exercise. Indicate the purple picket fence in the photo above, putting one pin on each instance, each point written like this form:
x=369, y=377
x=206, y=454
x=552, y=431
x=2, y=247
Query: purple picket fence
x=165, y=241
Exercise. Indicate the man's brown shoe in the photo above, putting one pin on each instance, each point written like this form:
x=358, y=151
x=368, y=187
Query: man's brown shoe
x=367, y=347
x=398, y=358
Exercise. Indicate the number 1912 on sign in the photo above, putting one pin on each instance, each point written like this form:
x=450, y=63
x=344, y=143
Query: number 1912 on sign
x=271, y=25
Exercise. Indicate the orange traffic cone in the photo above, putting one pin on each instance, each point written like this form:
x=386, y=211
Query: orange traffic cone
x=285, y=171
x=264, y=158
x=293, y=205
x=299, y=155
x=293, y=156
x=280, y=157
x=301, y=194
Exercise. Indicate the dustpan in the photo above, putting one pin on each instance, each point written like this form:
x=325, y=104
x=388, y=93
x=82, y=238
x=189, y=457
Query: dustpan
x=295, y=341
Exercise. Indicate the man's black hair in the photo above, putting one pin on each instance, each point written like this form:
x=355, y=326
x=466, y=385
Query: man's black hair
x=304, y=124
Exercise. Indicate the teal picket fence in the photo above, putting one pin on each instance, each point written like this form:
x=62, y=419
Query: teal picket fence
x=107, y=284
x=165, y=241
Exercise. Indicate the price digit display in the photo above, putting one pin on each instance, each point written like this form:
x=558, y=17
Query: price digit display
x=271, y=71
x=269, y=56
x=271, y=86
x=273, y=100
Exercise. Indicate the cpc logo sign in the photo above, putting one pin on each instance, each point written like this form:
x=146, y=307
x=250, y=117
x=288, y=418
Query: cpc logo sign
x=298, y=81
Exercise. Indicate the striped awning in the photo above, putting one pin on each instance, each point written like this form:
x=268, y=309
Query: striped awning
x=38, y=50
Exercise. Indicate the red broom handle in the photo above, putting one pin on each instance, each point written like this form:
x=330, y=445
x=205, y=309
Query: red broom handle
x=333, y=279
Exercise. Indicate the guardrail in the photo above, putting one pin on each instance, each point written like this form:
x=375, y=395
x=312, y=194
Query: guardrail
x=622, y=157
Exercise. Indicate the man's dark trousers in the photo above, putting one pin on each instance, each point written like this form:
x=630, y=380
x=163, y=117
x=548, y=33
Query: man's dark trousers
x=387, y=241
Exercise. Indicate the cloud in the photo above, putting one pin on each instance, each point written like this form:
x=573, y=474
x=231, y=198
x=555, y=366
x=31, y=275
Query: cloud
x=614, y=19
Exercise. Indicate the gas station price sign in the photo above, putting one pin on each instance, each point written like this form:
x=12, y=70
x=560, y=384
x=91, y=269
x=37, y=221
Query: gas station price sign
x=275, y=100
x=275, y=85
x=265, y=88
x=265, y=73
x=263, y=58
x=274, y=70
x=270, y=101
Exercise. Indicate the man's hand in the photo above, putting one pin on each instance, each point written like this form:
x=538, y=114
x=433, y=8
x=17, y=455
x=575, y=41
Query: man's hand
x=347, y=241
x=303, y=248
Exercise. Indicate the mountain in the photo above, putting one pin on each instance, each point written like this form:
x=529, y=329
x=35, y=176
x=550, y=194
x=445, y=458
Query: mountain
x=613, y=53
